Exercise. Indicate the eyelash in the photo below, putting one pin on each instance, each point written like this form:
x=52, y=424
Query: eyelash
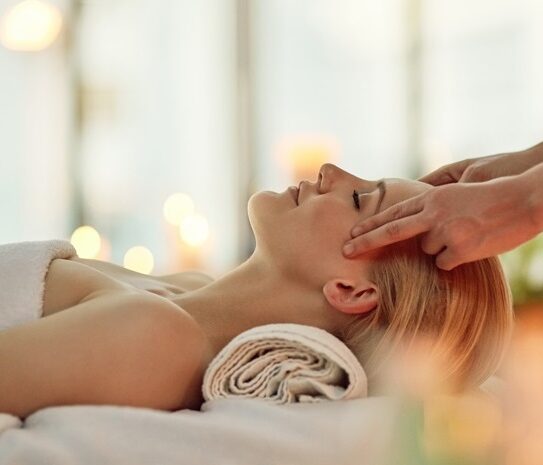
x=355, y=198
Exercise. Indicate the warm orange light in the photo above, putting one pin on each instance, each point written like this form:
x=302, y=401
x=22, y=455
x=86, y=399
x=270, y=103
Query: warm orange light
x=303, y=155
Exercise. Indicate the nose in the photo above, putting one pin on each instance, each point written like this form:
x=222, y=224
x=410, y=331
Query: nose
x=328, y=175
x=331, y=176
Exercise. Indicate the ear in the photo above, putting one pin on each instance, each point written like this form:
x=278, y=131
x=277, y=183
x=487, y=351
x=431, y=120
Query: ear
x=351, y=297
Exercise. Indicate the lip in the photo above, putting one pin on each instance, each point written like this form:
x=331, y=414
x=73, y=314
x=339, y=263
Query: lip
x=294, y=192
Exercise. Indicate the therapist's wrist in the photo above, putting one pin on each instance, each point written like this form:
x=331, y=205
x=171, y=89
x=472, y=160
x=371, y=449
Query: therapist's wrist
x=530, y=183
x=535, y=154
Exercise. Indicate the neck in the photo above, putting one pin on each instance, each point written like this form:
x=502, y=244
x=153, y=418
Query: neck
x=255, y=294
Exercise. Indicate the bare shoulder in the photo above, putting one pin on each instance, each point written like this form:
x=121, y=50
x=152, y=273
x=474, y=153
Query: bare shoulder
x=68, y=282
x=188, y=280
x=119, y=348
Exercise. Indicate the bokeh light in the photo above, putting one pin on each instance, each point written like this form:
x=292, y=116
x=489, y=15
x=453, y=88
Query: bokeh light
x=194, y=230
x=304, y=154
x=139, y=259
x=176, y=207
x=87, y=242
x=30, y=26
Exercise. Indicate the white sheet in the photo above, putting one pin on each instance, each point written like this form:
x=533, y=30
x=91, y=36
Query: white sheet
x=226, y=431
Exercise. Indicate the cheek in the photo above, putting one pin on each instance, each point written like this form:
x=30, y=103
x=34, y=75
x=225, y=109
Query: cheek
x=322, y=232
x=333, y=218
x=327, y=225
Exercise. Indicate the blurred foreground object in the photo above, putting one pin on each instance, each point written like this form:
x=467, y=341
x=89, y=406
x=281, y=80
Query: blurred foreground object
x=524, y=269
x=498, y=424
x=523, y=399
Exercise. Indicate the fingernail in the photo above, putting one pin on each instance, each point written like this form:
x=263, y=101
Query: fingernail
x=356, y=231
x=348, y=249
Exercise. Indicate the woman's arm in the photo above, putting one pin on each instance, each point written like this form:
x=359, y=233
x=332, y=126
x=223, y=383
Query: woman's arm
x=146, y=353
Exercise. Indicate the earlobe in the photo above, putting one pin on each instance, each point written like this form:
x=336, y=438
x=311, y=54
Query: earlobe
x=349, y=297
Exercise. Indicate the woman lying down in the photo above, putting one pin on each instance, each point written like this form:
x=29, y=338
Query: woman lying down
x=112, y=336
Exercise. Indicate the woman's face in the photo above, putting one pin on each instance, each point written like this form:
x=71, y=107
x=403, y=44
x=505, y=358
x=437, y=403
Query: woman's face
x=305, y=237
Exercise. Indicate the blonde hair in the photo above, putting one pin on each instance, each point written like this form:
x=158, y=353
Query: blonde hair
x=467, y=312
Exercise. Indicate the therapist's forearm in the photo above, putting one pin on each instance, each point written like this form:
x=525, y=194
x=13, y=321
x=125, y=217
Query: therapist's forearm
x=530, y=181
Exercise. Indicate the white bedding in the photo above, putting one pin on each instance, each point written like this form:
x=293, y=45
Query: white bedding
x=226, y=431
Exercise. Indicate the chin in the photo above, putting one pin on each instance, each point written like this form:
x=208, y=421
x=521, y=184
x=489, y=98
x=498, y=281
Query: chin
x=254, y=209
x=262, y=202
x=263, y=209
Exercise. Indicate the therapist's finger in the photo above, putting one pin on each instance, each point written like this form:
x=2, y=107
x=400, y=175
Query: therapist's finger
x=446, y=174
x=389, y=233
x=432, y=243
x=450, y=258
x=400, y=210
x=438, y=178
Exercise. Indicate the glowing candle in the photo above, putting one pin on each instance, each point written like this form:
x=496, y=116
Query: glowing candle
x=304, y=155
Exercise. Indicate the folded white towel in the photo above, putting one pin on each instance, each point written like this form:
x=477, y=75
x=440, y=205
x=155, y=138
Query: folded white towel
x=285, y=363
x=23, y=267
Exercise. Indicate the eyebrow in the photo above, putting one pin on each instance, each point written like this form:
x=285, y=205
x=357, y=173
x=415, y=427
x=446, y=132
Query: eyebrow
x=382, y=191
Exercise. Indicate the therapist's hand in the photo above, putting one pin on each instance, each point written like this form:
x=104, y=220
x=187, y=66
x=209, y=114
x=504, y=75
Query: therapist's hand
x=459, y=223
x=486, y=168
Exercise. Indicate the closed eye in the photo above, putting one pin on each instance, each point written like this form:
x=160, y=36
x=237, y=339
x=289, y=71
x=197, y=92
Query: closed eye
x=382, y=191
x=355, y=198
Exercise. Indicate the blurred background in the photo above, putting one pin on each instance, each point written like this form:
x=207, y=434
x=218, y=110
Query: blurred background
x=138, y=129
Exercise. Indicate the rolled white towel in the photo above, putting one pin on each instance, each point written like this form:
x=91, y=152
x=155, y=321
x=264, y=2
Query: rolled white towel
x=23, y=267
x=285, y=363
x=8, y=421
